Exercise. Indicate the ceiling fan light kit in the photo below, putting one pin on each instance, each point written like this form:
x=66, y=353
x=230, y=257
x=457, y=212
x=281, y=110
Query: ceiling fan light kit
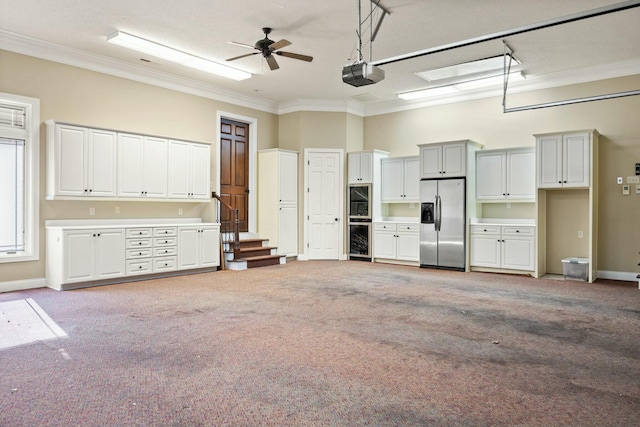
x=157, y=50
x=267, y=48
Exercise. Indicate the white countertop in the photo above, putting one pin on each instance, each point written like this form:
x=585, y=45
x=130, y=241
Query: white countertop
x=119, y=223
x=412, y=219
x=503, y=221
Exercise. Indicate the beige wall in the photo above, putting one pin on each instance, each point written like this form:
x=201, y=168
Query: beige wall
x=483, y=121
x=93, y=99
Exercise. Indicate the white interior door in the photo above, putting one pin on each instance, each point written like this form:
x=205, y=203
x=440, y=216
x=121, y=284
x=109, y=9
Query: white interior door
x=324, y=204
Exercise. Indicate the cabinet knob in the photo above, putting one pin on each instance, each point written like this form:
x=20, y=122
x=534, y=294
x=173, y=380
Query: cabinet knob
x=140, y=243
x=139, y=253
x=484, y=229
x=517, y=231
x=559, y=182
x=139, y=267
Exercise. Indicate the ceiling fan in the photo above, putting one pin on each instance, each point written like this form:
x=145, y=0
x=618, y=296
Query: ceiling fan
x=268, y=47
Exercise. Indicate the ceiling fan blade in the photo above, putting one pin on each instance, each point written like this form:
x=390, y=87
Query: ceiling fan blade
x=242, y=56
x=242, y=45
x=296, y=56
x=273, y=64
x=279, y=44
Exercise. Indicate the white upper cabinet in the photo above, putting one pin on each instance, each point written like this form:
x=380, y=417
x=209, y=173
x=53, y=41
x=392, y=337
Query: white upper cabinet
x=142, y=166
x=563, y=160
x=446, y=160
x=81, y=162
x=400, y=179
x=360, y=167
x=189, y=170
x=505, y=174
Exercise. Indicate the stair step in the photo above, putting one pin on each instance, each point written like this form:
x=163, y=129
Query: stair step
x=256, y=251
x=262, y=260
x=252, y=243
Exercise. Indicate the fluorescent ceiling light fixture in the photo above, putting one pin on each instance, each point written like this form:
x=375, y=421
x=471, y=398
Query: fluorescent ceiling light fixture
x=426, y=93
x=465, y=69
x=160, y=51
x=460, y=87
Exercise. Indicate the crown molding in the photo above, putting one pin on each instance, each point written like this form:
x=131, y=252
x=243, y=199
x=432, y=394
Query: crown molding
x=323, y=105
x=78, y=58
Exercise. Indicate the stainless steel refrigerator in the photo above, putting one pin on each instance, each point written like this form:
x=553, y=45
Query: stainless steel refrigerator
x=442, y=223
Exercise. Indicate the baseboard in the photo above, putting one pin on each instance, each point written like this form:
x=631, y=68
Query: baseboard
x=617, y=275
x=20, y=285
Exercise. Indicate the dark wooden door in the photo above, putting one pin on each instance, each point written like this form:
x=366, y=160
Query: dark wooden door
x=234, y=168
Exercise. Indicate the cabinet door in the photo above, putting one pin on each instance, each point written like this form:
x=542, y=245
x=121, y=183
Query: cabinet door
x=392, y=177
x=154, y=165
x=408, y=245
x=518, y=253
x=353, y=165
x=575, y=160
x=130, y=174
x=209, y=249
x=288, y=230
x=430, y=161
x=521, y=172
x=549, y=161
x=179, y=185
x=109, y=253
x=412, y=179
x=188, y=242
x=454, y=160
x=200, y=171
x=102, y=160
x=490, y=176
x=288, y=178
x=384, y=244
x=78, y=255
x=71, y=161
x=485, y=250
x=366, y=167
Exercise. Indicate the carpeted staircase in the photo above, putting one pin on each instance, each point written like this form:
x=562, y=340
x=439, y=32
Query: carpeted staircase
x=254, y=252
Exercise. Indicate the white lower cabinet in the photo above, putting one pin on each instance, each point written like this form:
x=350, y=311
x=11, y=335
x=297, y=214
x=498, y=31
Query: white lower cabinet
x=502, y=247
x=79, y=256
x=396, y=241
x=199, y=246
x=92, y=254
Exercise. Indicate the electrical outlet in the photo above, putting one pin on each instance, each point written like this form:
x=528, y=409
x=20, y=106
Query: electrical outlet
x=619, y=181
x=92, y=211
x=180, y=211
x=580, y=234
x=117, y=209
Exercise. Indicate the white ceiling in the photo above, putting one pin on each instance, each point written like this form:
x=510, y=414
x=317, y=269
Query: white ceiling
x=600, y=47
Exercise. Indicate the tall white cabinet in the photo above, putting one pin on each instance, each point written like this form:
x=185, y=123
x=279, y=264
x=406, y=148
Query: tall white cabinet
x=278, y=199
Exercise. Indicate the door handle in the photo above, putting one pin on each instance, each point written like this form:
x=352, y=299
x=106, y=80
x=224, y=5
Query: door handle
x=438, y=218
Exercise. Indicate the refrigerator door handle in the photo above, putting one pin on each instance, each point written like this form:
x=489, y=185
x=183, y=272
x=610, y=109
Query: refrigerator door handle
x=438, y=213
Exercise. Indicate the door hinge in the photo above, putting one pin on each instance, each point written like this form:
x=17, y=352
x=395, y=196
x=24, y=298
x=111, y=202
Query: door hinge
x=308, y=162
x=308, y=220
x=308, y=190
x=307, y=245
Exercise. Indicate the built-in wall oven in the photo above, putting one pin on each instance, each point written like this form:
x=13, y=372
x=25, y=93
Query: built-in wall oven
x=359, y=212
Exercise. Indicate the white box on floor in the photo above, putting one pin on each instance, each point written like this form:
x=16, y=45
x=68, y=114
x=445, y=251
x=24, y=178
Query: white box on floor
x=575, y=268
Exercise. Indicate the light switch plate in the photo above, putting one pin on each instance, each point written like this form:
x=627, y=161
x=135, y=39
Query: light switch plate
x=633, y=179
x=625, y=190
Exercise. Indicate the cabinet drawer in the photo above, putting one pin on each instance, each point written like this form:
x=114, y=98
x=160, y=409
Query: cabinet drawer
x=164, y=241
x=138, y=253
x=139, y=266
x=518, y=231
x=165, y=251
x=138, y=243
x=408, y=227
x=165, y=263
x=165, y=231
x=384, y=226
x=485, y=229
x=138, y=232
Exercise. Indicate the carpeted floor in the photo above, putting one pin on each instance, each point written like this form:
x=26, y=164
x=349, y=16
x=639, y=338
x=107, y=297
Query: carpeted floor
x=331, y=344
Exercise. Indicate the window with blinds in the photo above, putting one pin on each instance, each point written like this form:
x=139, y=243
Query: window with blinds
x=12, y=192
x=12, y=116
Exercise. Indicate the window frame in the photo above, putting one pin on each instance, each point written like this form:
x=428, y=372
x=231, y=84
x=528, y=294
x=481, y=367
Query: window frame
x=31, y=136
